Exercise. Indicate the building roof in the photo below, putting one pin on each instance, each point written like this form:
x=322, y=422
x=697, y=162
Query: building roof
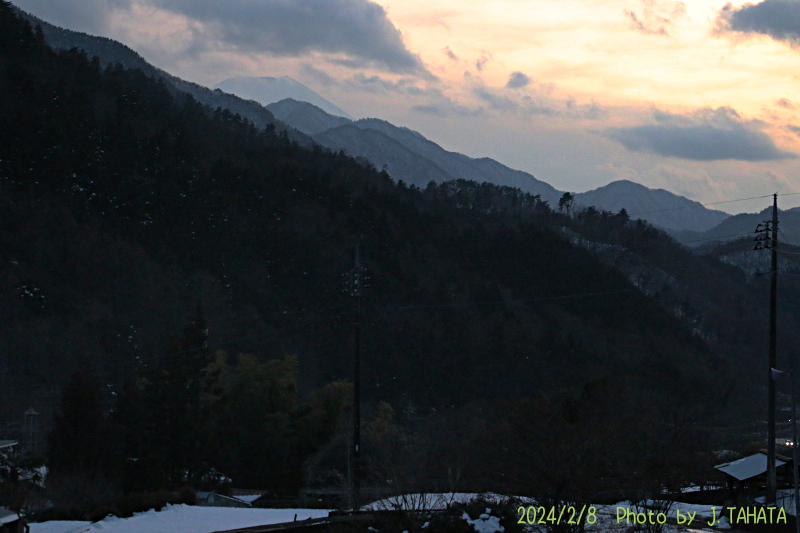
x=7, y=516
x=8, y=443
x=747, y=467
x=210, y=498
x=248, y=495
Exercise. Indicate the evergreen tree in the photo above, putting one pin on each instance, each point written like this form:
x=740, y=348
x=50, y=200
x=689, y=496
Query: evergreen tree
x=82, y=442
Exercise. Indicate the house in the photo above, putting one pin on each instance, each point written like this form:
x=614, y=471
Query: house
x=10, y=520
x=249, y=495
x=749, y=473
x=8, y=448
x=212, y=499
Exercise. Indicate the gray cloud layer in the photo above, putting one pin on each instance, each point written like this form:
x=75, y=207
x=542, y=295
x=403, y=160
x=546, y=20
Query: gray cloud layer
x=360, y=29
x=88, y=16
x=779, y=19
x=706, y=135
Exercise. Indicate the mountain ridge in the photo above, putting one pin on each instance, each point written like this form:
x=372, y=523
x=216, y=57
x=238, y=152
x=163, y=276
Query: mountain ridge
x=112, y=52
x=268, y=90
x=659, y=206
x=433, y=163
x=304, y=121
x=743, y=225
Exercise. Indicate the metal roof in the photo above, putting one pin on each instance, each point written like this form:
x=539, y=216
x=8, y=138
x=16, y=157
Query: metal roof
x=747, y=467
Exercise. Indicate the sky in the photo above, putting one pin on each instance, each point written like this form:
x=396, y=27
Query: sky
x=699, y=98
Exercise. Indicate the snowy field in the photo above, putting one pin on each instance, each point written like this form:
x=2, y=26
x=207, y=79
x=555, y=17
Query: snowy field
x=191, y=519
x=182, y=519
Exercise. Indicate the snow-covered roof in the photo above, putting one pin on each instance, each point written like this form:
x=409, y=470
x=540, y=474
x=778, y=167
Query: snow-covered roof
x=248, y=495
x=249, y=498
x=212, y=498
x=747, y=467
x=7, y=516
x=184, y=519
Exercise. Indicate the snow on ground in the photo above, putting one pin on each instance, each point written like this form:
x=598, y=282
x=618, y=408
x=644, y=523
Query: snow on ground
x=783, y=498
x=192, y=519
x=485, y=523
x=183, y=519
x=59, y=526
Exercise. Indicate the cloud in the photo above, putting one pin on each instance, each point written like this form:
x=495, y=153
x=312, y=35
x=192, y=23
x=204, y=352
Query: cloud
x=358, y=29
x=484, y=58
x=785, y=103
x=449, y=53
x=445, y=107
x=705, y=135
x=430, y=110
x=794, y=129
x=425, y=94
x=376, y=84
x=531, y=105
x=89, y=16
x=656, y=17
x=779, y=19
x=495, y=101
x=517, y=80
x=320, y=76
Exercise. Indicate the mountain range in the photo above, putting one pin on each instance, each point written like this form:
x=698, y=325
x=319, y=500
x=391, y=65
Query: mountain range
x=267, y=90
x=405, y=154
x=110, y=52
x=743, y=225
x=663, y=208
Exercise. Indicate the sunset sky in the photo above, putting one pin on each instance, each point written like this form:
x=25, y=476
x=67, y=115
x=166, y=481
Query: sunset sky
x=700, y=98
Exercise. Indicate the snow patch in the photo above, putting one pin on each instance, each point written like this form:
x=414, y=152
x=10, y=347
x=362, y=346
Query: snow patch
x=485, y=523
x=182, y=519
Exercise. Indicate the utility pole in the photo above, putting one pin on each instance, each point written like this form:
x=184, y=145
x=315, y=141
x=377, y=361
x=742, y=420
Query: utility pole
x=773, y=298
x=769, y=240
x=355, y=284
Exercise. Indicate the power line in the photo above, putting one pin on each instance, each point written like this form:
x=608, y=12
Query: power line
x=725, y=245
x=710, y=203
x=785, y=237
x=702, y=205
x=717, y=237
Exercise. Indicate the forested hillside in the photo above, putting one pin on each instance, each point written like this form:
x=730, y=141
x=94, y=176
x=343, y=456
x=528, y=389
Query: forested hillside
x=143, y=234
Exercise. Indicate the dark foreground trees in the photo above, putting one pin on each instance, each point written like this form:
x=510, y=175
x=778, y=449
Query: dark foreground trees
x=190, y=419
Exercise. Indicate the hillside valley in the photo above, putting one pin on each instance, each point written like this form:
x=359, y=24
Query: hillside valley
x=171, y=276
